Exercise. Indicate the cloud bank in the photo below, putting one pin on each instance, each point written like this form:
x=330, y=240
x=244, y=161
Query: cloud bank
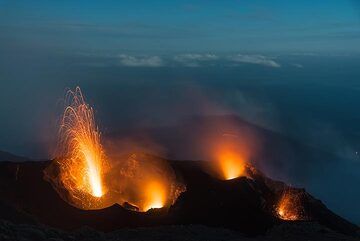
x=194, y=60
x=145, y=61
x=185, y=60
x=255, y=59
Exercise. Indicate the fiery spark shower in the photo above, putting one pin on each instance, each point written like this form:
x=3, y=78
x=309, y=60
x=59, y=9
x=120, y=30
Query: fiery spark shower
x=290, y=206
x=81, y=160
x=86, y=178
x=80, y=144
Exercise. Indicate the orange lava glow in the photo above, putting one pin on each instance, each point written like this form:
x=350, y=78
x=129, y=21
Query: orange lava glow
x=289, y=207
x=147, y=183
x=80, y=141
x=228, y=151
x=231, y=164
x=155, y=196
x=88, y=179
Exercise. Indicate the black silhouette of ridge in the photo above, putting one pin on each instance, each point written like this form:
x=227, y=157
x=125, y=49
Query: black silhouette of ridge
x=245, y=204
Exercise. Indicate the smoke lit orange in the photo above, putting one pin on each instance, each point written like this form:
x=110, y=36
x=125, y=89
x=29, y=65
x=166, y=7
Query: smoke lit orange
x=146, y=182
x=231, y=164
x=227, y=147
x=228, y=155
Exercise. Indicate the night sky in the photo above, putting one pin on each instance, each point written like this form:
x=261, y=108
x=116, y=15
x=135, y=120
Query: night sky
x=292, y=67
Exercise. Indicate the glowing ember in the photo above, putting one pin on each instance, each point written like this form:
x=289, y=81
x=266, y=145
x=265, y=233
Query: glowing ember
x=289, y=207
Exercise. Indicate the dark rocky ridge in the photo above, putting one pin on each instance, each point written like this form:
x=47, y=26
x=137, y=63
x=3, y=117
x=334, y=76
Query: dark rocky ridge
x=242, y=204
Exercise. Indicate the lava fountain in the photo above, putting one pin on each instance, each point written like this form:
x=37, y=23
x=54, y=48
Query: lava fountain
x=81, y=161
x=85, y=178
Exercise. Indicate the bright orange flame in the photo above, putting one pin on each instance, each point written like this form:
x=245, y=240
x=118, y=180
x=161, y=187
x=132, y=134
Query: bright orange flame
x=147, y=183
x=289, y=207
x=228, y=154
x=155, y=195
x=82, y=175
x=81, y=148
x=231, y=164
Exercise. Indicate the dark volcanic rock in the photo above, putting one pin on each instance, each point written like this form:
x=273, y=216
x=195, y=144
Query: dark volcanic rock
x=287, y=232
x=243, y=204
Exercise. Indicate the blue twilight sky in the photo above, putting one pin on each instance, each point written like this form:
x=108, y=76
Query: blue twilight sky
x=177, y=26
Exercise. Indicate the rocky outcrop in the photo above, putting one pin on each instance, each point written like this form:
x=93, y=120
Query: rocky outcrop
x=244, y=204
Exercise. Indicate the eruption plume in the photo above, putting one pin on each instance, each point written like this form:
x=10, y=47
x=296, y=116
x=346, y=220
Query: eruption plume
x=80, y=162
x=139, y=182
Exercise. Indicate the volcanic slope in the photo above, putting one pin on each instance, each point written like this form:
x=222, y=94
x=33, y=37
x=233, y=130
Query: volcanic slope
x=245, y=204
